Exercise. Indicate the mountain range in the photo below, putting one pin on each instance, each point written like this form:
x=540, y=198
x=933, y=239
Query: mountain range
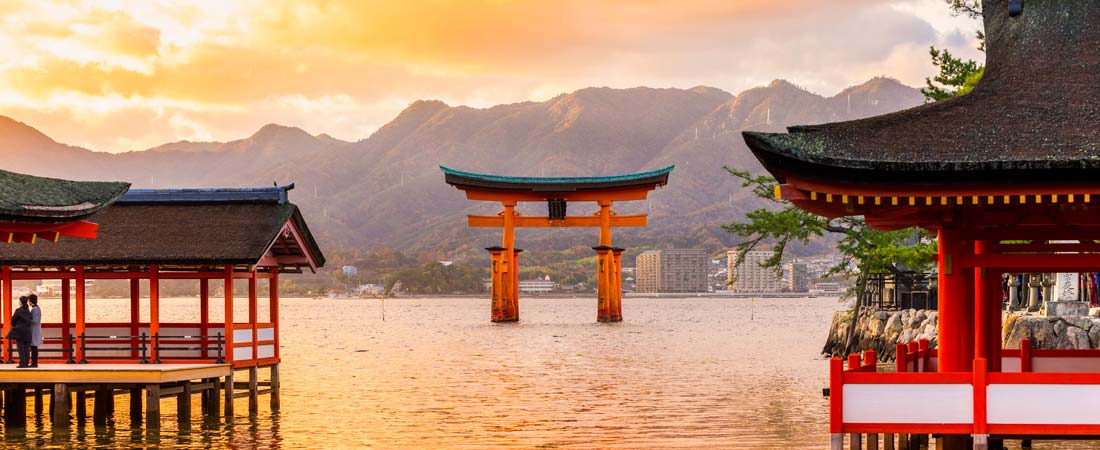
x=387, y=191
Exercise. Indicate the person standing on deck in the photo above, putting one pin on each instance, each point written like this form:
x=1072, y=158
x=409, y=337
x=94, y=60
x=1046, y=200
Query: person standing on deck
x=36, y=328
x=20, y=331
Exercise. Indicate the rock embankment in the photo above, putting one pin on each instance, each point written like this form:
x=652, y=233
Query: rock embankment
x=881, y=331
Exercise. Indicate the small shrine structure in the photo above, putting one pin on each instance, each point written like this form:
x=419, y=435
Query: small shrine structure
x=1004, y=175
x=224, y=236
x=557, y=192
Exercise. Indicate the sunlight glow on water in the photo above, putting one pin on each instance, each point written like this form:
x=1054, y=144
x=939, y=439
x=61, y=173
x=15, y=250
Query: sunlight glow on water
x=677, y=373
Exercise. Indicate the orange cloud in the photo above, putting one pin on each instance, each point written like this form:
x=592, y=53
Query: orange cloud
x=122, y=75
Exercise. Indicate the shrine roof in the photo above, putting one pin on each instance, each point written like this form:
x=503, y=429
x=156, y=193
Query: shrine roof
x=184, y=227
x=27, y=198
x=1031, y=119
x=462, y=180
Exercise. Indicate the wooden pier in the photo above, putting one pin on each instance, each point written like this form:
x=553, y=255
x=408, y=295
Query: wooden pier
x=67, y=387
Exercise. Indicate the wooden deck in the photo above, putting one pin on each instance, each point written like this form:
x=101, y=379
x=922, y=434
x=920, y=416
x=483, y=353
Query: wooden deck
x=111, y=373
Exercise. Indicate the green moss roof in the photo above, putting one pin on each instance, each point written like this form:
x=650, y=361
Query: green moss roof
x=26, y=198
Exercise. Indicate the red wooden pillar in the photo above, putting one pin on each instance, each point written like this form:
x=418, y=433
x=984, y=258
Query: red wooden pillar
x=603, y=285
x=509, y=288
x=135, y=313
x=80, y=288
x=204, y=314
x=66, y=316
x=229, y=314
x=253, y=313
x=996, y=342
x=154, y=308
x=8, y=310
x=954, y=353
x=273, y=297
x=616, y=297
x=513, y=306
x=496, y=290
x=982, y=305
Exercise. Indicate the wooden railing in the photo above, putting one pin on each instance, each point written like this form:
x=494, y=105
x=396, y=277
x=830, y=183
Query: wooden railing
x=123, y=343
x=1054, y=393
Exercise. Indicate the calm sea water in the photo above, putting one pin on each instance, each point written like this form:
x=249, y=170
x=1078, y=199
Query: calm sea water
x=678, y=373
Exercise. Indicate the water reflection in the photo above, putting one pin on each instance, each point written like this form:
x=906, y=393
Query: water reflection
x=678, y=373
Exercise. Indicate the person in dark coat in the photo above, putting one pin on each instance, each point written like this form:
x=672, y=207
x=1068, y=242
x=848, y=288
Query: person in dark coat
x=21, y=324
x=36, y=328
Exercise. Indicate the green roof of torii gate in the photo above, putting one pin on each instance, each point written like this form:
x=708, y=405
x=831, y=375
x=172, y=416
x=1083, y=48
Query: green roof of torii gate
x=462, y=179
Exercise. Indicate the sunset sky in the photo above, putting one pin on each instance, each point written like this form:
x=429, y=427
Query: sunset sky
x=117, y=75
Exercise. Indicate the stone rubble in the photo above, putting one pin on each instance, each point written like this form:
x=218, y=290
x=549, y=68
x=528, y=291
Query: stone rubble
x=882, y=330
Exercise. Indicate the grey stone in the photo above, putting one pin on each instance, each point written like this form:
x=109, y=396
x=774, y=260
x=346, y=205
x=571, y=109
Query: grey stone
x=1080, y=322
x=917, y=320
x=1073, y=339
x=1094, y=335
x=1060, y=327
x=1066, y=309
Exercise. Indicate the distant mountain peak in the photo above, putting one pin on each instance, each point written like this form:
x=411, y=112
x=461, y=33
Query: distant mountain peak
x=273, y=130
x=780, y=83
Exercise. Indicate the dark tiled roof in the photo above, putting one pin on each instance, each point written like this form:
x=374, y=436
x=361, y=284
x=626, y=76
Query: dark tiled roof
x=171, y=230
x=26, y=198
x=1037, y=109
x=462, y=179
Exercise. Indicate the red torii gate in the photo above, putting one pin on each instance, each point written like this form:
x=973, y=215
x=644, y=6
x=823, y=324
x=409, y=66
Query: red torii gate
x=557, y=192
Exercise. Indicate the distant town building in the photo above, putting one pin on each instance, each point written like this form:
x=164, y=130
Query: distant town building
x=798, y=277
x=827, y=288
x=538, y=286
x=647, y=271
x=52, y=288
x=672, y=271
x=370, y=289
x=750, y=276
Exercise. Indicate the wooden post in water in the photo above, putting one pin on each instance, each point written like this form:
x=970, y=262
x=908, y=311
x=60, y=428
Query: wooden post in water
x=228, y=387
x=275, y=387
x=15, y=407
x=60, y=406
x=81, y=406
x=872, y=441
x=856, y=441
x=103, y=406
x=888, y=441
x=204, y=395
x=215, y=397
x=38, y=403
x=135, y=406
x=903, y=441
x=183, y=406
x=152, y=406
x=253, y=390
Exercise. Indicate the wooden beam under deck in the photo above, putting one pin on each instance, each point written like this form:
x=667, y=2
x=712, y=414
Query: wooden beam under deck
x=111, y=373
x=633, y=220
